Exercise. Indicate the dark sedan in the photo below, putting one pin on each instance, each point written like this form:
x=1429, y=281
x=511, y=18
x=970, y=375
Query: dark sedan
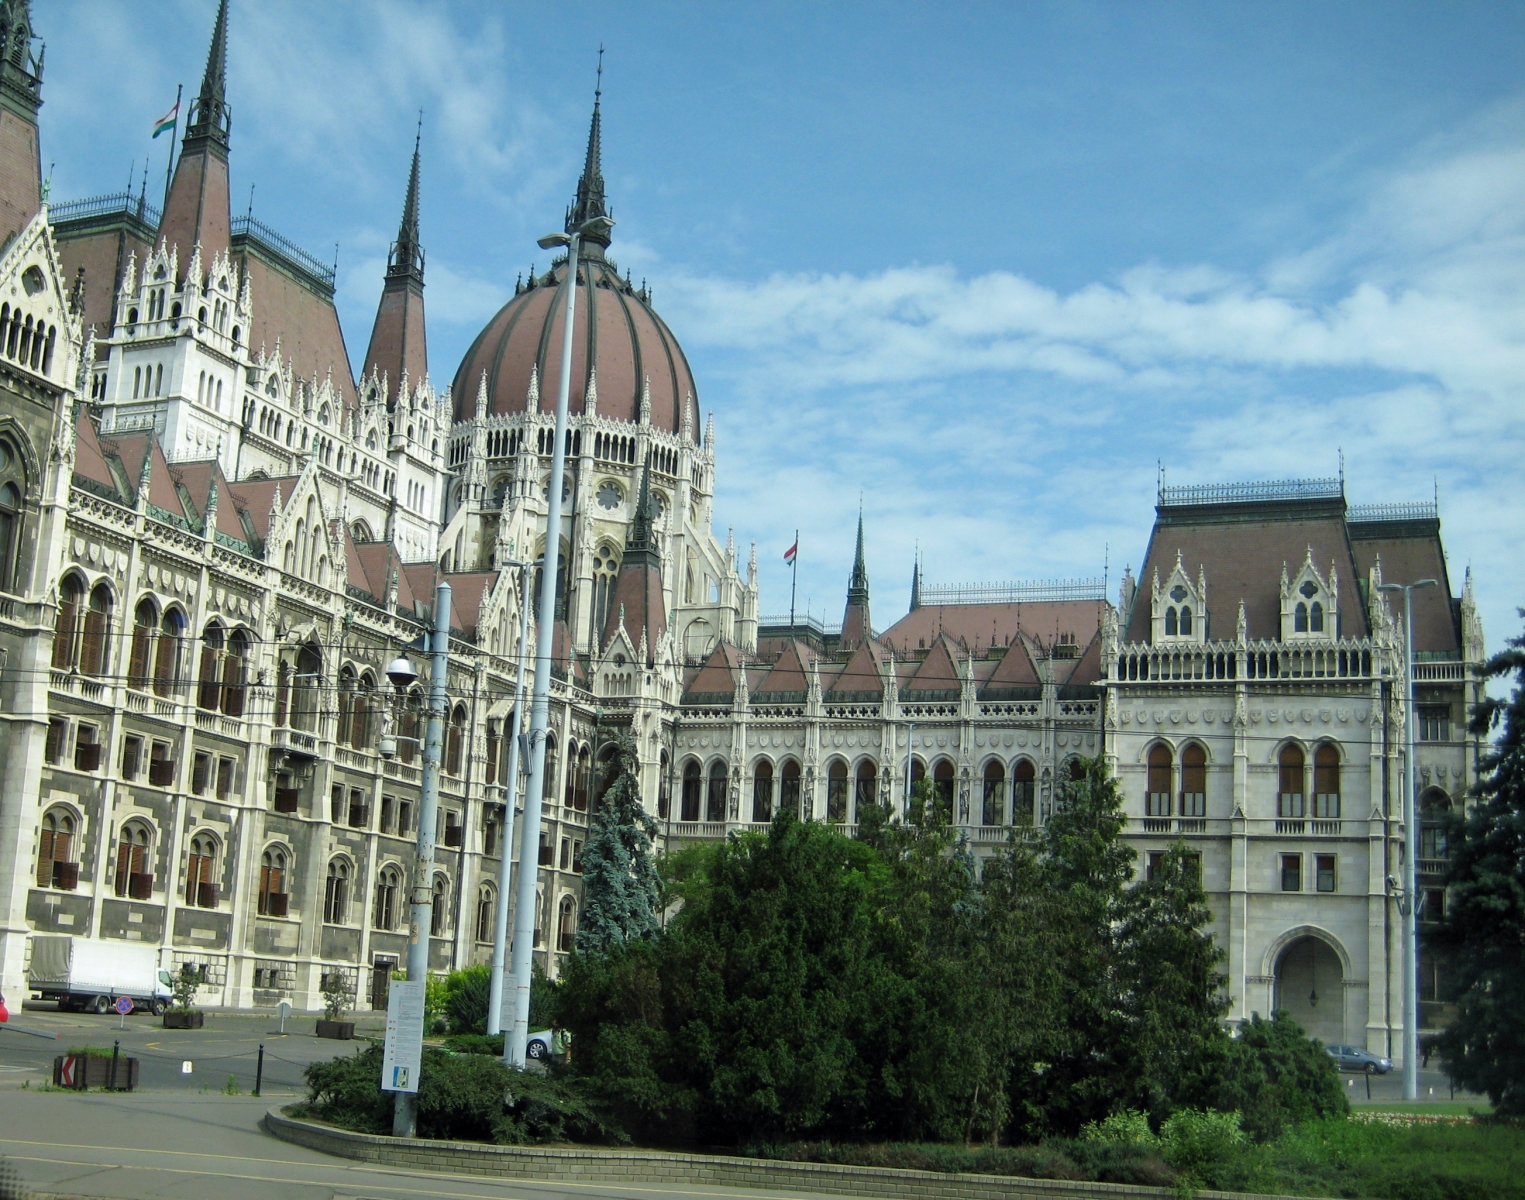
x=1353, y=1058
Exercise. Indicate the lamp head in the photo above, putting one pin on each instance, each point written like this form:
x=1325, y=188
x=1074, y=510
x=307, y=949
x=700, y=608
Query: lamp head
x=551, y=240
x=401, y=672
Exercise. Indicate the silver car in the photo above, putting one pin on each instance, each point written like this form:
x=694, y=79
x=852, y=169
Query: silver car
x=1353, y=1058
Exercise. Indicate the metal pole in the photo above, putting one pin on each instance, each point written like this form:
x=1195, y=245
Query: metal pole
x=174, y=134
x=794, y=575
x=510, y=798
x=910, y=738
x=259, y=1069
x=405, y=1111
x=1410, y=867
x=540, y=702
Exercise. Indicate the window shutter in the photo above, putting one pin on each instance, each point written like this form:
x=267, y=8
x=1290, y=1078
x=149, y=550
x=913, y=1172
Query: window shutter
x=45, y=859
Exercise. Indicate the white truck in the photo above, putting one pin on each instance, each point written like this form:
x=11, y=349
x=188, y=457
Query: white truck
x=90, y=973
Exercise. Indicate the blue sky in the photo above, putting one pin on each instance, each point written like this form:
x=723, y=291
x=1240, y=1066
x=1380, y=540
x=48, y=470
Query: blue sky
x=985, y=264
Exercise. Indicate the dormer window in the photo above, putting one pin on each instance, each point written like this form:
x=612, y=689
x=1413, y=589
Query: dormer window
x=1308, y=616
x=1180, y=606
x=1310, y=604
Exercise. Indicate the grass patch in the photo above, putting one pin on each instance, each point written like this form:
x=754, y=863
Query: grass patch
x=92, y=1051
x=1450, y=1160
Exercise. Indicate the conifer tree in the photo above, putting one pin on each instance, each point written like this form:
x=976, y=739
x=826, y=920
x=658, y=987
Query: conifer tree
x=620, y=883
x=1484, y=923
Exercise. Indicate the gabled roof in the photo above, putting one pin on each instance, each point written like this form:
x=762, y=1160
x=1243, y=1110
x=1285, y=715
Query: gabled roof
x=254, y=496
x=1085, y=672
x=861, y=677
x=1410, y=551
x=790, y=675
x=937, y=673
x=978, y=626
x=715, y=681
x=1015, y=676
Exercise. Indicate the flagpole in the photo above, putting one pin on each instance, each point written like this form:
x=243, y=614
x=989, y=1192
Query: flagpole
x=794, y=572
x=169, y=166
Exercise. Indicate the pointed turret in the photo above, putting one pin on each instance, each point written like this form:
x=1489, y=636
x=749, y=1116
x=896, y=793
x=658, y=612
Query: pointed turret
x=197, y=211
x=399, y=347
x=20, y=98
x=856, y=626
x=590, y=201
x=637, y=595
x=916, y=582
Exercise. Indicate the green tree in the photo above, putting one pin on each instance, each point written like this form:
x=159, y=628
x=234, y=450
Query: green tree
x=620, y=884
x=1484, y=923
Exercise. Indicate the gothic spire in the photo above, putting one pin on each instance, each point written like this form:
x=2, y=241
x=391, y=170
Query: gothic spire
x=590, y=187
x=407, y=257
x=857, y=586
x=20, y=69
x=641, y=537
x=857, y=627
x=916, y=583
x=210, y=119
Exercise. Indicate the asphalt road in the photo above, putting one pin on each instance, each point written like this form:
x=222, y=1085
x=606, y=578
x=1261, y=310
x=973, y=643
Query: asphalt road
x=227, y=1047
x=163, y=1146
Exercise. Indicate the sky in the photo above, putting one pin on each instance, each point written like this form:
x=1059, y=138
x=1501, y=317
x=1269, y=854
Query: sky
x=984, y=269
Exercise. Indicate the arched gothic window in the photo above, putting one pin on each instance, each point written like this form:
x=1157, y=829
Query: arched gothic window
x=1024, y=793
x=487, y=912
x=1326, y=783
x=1160, y=764
x=12, y=503
x=454, y=739
x=167, y=652
x=234, y=672
x=201, y=872
x=566, y=932
x=714, y=809
x=693, y=786
x=384, y=915
x=548, y=789
x=790, y=798
x=605, y=570
x=762, y=792
x=942, y=787
x=56, y=864
x=145, y=622
x=1290, y=771
x=209, y=694
x=272, y=898
x=71, y=598
x=93, y=643
x=439, y=911
x=134, y=867
x=836, y=792
x=1194, y=781
x=993, y=810
x=868, y=788
x=336, y=893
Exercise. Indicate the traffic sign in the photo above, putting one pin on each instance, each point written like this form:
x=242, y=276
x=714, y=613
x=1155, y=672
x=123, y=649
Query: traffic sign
x=124, y=1005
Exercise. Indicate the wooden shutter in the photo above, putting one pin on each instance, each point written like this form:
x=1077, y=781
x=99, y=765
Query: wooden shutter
x=45, y=859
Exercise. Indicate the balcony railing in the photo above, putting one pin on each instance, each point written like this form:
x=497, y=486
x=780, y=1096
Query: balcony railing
x=1349, y=658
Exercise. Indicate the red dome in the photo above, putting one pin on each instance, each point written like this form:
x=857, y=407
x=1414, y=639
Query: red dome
x=615, y=329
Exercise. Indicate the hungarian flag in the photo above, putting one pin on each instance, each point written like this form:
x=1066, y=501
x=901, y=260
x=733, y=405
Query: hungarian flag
x=789, y=554
x=168, y=120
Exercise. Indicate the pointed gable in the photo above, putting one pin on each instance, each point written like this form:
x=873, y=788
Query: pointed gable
x=92, y=470
x=255, y=497
x=1016, y=675
x=715, y=681
x=936, y=676
x=862, y=678
x=1080, y=683
x=789, y=679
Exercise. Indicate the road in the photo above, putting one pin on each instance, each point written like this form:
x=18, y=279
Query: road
x=163, y=1146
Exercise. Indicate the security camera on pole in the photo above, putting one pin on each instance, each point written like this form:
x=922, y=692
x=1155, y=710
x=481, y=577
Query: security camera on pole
x=540, y=702
x=407, y=1026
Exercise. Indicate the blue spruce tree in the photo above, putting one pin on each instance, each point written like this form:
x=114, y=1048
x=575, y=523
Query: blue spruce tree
x=619, y=877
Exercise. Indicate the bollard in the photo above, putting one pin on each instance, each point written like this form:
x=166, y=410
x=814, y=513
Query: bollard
x=1368, y=1085
x=259, y=1069
x=116, y=1049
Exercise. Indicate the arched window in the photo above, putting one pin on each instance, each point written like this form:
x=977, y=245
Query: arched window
x=1434, y=811
x=385, y=914
x=789, y=797
x=693, y=785
x=282, y=691
x=272, y=898
x=579, y=779
x=714, y=808
x=566, y=932
x=234, y=671
x=1194, y=781
x=201, y=872
x=92, y=645
x=167, y=653
x=1316, y=617
x=1075, y=771
x=1024, y=793
x=487, y=912
x=56, y=866
x=408, y=726
x=307, y=688
x=664, y=789
x=1289, y=801
x=1300, y=618
x=454, y=738
x=439, y=910
x=336, y=893
x=1170, y=621
x=145, y=623
x=134, y=868
x=605, y=570
x=209, y=694
x=942, y=788
x=1158, y=802
x=12, y=498
x=993, y=811
x=346, y=698
x=1326, y=783
x=360, y=716
x=868, y=788
x=548, y=789
x=762, y=792
x=1185, y=620
x=836, y=792
x=71, y=598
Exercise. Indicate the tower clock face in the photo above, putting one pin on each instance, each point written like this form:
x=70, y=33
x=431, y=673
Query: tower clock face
x=609, y=495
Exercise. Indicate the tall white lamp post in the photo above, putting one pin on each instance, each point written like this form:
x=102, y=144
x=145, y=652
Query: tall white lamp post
x=510, y=788
x=540, y=701
x=1408, y=899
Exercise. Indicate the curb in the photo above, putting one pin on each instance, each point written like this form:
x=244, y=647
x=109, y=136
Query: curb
x=646, y=1166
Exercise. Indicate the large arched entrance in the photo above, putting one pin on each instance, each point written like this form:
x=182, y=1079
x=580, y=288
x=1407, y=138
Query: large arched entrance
x=1310, y=987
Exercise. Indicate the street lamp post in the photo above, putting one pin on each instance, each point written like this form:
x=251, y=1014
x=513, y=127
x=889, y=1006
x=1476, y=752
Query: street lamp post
x=540, y=702
x=1408, y=906
x=510, y=787
x=421, y=897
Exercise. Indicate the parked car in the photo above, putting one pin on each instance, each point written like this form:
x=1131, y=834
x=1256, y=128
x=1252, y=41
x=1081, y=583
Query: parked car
x=540, y=1045
x=1353, y=1058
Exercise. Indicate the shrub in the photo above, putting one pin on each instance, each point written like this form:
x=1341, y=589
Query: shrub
x=466, y=995
x=186, y=981
x=1127, y=1128
x=475, y=1043
x=464, y=1097
x=1202, y=1144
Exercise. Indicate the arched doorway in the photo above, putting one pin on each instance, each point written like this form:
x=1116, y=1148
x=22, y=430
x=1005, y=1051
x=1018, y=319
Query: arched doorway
x=1310, y=988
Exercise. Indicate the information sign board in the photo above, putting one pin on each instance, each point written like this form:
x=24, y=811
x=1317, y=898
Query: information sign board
x=404, y=1045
